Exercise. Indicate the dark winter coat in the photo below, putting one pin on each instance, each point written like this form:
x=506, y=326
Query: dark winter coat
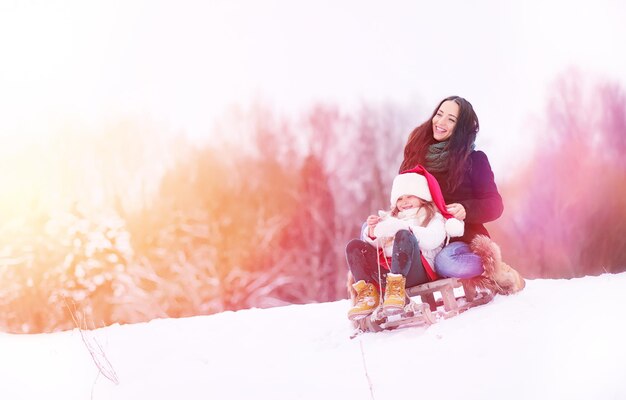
x=477, y=192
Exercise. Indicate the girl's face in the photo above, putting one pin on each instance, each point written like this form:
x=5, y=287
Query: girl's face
x=444, y=120
x=407, y=201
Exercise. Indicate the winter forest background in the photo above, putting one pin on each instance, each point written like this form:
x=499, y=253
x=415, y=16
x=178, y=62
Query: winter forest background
x=132, y=218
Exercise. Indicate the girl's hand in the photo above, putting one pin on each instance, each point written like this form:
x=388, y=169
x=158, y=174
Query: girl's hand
x=457, y=210
x=371, y=221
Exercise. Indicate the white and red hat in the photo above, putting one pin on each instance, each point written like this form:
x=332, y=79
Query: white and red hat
x=419, y=182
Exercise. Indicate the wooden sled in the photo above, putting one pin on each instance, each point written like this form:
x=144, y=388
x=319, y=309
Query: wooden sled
x=437, y=301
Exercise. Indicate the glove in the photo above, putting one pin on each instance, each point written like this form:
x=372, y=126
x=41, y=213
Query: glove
x=389, y=227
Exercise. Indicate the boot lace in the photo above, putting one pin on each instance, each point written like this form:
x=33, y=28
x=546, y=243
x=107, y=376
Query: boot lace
x=394, y=288
x=366, y=294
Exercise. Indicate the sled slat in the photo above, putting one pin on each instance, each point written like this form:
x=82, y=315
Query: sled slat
x=449, y=301
x=429, y=298
x=470, y=292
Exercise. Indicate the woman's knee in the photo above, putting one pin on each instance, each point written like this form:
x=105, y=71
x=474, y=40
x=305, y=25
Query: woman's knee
x=458, y=261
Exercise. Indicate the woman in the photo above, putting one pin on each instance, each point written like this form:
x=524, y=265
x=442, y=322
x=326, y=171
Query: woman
x=445, y=146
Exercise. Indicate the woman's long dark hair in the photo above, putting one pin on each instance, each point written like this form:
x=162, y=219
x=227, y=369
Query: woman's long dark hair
x=459, y=144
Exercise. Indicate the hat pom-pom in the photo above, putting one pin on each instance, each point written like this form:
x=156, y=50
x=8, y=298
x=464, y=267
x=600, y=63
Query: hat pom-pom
x=455, y=227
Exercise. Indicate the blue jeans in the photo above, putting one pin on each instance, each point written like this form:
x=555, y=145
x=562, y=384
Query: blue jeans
x=456, y=260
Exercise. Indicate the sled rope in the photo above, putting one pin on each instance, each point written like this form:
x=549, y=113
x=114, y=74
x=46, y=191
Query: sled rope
x=380, y=276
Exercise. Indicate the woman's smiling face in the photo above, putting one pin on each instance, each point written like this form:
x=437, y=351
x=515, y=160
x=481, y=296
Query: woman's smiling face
x=444, y=120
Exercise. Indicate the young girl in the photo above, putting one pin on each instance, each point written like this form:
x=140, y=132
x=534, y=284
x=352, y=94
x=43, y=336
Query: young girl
x=403, y=242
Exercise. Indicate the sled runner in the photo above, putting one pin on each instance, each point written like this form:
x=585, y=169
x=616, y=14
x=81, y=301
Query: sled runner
x=438, y=300
x=449, y=305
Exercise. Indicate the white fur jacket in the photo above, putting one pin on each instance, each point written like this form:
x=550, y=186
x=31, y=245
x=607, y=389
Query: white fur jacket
x=430, y=238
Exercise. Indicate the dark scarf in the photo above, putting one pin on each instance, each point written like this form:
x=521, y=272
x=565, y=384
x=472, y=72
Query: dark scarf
x=437, y=156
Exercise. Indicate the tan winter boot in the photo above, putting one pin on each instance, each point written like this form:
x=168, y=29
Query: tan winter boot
x=395, y=294
x=509, y=281
x=365, y=302
x=505, y=280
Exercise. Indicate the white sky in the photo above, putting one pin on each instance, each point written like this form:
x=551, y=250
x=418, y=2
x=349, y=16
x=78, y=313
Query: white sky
x=183, y=62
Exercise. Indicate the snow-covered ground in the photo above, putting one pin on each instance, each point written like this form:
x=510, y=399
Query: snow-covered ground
x=558, y=339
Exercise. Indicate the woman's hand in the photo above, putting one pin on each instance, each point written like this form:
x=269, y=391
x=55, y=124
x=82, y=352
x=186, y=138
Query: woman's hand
x=372, y=221
x=457, y=210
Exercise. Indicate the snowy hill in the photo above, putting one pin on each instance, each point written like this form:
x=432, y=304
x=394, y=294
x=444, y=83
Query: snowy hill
x=558, y=339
